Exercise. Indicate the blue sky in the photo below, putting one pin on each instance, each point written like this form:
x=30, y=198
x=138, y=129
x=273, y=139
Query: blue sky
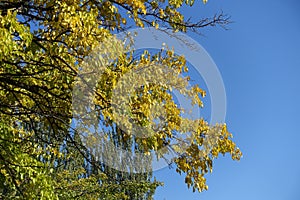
x=259, y=59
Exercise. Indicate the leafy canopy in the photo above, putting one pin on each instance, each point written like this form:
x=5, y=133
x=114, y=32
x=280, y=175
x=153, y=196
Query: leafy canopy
x=43, y=50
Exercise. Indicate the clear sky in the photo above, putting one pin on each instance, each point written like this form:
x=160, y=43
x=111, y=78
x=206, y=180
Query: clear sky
x=259, y=59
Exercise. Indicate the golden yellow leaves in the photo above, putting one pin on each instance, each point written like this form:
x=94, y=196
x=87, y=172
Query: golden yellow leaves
x=124, y=21
x=70, y=31
x=194, y=178
x=203, y=147
x=162, y=13
x=75, y=27
x=175, y=3
x=155, y=24
x=9, y=26
x=135, y=8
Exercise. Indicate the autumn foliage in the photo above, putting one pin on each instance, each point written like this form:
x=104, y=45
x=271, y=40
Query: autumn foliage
x=45, y=45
